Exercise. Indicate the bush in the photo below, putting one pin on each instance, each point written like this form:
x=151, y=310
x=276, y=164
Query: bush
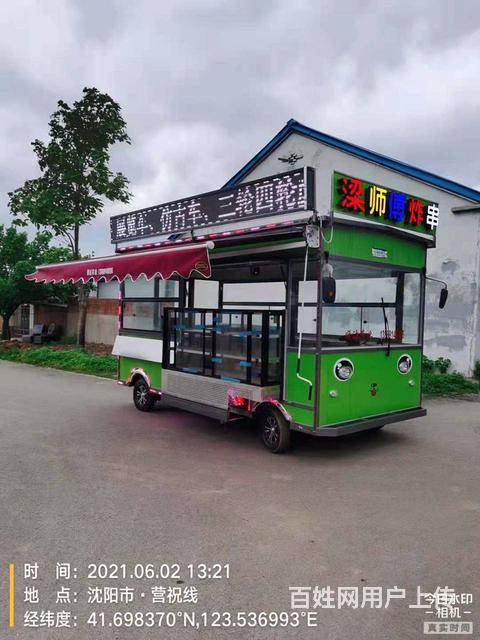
x=476, y=370
x=445, y=384
x=77, y=360
x=442, y=364
x=436, y=381
x=427, y=364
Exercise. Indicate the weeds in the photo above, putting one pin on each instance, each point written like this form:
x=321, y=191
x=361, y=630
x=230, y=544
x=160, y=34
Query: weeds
x=446, y=384
x=69, y=360
x=436, y=380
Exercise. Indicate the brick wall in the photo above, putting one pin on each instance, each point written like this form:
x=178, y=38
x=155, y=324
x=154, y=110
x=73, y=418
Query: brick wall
x=102, y=319
x=103, y=306
x=46, y=314
x=101, y=325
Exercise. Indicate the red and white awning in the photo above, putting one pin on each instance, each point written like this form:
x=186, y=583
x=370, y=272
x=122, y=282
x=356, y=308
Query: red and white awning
x=165, y=263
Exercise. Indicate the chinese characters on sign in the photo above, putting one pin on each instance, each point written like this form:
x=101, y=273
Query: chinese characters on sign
x=282, y=193
x=355, y=196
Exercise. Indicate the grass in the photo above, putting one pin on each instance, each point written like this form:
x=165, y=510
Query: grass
x=77, y=360
x=436, y=381
x=447, y=384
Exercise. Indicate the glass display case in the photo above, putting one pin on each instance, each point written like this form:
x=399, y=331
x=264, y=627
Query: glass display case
x=238, y=345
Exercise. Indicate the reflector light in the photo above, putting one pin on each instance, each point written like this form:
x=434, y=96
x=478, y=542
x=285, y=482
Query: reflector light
x=235, y=400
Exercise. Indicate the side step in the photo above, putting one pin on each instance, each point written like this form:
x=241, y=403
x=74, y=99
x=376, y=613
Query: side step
x=195, y=407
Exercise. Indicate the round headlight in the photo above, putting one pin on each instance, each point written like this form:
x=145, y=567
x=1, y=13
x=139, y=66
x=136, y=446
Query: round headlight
x=343, y=369
x=404, y=363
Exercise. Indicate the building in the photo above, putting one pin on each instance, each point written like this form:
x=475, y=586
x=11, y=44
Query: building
x=102, y=317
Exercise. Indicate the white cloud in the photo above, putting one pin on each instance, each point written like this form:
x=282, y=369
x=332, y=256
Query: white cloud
x=39, y=42
x=422, y=96
x=204, y=85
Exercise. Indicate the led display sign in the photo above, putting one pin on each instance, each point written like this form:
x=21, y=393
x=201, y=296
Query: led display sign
x=282, y=193
x=368, y=200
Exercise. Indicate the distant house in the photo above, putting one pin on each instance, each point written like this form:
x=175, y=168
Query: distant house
x=102, y=317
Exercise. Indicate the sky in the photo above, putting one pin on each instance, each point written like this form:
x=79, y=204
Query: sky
x=204, y=84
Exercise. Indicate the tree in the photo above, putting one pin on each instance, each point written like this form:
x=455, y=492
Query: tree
x=75, y=175
x=19, y=256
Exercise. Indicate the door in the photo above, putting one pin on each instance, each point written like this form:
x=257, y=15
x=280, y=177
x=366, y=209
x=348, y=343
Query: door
x=301, y=338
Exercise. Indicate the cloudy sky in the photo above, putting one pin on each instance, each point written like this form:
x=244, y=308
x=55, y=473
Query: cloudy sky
x=205, y=83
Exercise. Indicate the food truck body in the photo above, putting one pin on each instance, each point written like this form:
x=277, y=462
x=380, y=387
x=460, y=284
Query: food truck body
x=300, y=320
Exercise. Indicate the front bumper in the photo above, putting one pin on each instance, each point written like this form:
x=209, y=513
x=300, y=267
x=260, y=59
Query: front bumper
x=345, y=428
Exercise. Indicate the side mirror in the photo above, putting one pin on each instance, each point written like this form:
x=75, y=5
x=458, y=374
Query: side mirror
x=443, y=298
x=329, y=289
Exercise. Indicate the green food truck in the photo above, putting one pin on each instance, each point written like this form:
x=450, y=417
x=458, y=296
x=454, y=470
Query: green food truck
x=248, y=302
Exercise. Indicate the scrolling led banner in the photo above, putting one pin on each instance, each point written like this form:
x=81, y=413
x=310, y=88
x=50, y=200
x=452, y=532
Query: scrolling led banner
x=365, y=199
x=282, y=193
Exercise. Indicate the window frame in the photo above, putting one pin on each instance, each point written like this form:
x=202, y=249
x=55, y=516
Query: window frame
x=293, y=306
x=150, y=333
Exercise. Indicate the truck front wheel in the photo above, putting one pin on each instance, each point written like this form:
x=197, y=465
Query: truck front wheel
x=274, y=429
x=142, y=398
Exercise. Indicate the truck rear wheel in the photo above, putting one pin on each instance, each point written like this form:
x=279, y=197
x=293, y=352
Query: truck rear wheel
x=274, y=429
x=142, y=398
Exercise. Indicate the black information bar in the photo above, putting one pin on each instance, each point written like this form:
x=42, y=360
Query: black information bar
x=282, y=193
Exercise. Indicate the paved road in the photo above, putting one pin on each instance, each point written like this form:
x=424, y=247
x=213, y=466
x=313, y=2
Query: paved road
x=85, y=478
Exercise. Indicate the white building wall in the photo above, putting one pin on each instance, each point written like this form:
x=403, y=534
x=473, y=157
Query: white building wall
x=454, y=331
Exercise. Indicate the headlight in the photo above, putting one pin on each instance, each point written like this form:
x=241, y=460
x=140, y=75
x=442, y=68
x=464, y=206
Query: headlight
x=404, y=364
x=343, y=369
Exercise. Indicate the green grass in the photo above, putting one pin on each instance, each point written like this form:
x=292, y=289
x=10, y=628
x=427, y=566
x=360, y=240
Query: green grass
x=447, y=384
x=77, y=360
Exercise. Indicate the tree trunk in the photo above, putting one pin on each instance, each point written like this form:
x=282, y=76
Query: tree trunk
x=6, y=327
x=82, y=291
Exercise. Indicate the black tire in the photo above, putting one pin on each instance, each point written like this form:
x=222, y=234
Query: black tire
x=274, y=429
x=142, y=398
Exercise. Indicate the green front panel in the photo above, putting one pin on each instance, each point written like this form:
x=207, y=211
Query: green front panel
x=297, y=390
x=358, y=243
x=375, y=387
x=152, y=369
x=300, y=415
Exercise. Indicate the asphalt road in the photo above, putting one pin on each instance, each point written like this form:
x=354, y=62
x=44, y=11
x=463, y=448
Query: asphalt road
x=86, y=478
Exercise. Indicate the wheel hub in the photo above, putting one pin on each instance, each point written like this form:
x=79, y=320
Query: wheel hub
x=141, y=395
x=271, y=431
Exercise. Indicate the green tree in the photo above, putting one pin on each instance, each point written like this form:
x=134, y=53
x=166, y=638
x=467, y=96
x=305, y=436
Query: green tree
x=18, y=257
x=75, y=175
